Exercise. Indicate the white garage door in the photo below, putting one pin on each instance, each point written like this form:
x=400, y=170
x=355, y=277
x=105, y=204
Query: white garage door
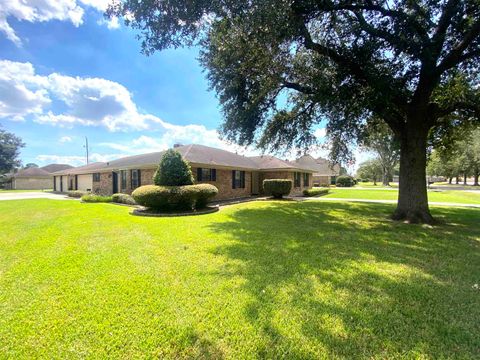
x=85, y=182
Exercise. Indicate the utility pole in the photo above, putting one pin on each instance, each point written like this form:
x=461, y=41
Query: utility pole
x=86, y=147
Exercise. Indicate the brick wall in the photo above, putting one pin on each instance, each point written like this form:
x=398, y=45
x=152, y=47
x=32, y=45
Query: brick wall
x=224, y=184
x=322, y=180
x=285, y=175
x=104, y=186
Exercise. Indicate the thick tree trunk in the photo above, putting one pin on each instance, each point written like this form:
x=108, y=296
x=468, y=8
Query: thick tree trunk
x=475, y=177
x=412, y=196
x=465, y=179
x=457, y=180
x=450, y=180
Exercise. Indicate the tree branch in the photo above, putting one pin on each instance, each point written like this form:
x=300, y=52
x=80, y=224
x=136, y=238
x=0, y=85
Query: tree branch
x=455, y=56
x=301, y=88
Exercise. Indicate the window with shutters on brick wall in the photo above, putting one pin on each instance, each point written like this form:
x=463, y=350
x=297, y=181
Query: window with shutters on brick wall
x=135, y=178
x=238, y=179
x=204, y=174
x=296, y=179
x=306, y=179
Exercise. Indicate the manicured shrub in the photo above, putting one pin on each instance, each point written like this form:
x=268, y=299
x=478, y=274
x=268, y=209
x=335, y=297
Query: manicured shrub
x=345, y=181
x=91, y=198
x=205, y=193
x=123, y=199
x=277, y=187
x=77, y=193
x=173, y=170
x=167, y=198
x=315, y=192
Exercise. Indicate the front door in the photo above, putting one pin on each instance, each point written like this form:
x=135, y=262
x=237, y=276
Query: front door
x=255, y=183
x=114, y=183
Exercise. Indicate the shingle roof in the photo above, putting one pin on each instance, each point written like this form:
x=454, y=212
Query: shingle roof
x=269, y=162
x=31, y=172
x=56, y=167
x=85, y=169
x=319, y=166
x=196, y=154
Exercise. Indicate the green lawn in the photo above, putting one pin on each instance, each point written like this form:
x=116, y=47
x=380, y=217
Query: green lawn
x=453, y=196
x=303, y=280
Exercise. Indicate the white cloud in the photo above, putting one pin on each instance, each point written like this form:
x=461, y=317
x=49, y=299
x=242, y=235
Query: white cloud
x=96, y=102
x=21, y=91
x=65, y=139
x=46, y=10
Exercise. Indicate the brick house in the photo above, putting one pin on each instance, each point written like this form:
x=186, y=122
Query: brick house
x=324, y=172
x=234, y=175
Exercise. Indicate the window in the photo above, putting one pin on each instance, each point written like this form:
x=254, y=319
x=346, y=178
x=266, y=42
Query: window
x=238, y=179
x=296, y=179
x=135, y=179
x=204, y=174
x=306, y=179
x=96, y=177
x=123, y=178
x=333, y=180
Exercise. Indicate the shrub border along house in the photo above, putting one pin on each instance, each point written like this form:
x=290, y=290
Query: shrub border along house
x=277, y=188
x=174, y=193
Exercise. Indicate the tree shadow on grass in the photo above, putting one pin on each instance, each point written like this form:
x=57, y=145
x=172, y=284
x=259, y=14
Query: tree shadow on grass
x=336, y=279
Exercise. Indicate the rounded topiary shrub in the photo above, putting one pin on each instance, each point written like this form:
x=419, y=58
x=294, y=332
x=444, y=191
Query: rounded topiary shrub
x=173, y=170
x=170, y=198
x=205, y=193
x=152, y=196
x=277, y=187
x=345, y=181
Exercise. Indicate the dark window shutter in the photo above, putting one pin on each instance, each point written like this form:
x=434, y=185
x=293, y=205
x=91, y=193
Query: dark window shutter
x=199, y=174
x=54, y=183
x=131, y=179
x=233, y=179
x=214, y=174
x=242, y=179
x=139, y=177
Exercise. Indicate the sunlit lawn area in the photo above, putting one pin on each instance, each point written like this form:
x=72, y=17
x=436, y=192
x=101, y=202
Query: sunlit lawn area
x=256, y=280
x=453, y=196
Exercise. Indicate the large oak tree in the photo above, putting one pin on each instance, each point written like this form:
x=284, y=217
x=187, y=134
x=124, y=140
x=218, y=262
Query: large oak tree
x=282, y=66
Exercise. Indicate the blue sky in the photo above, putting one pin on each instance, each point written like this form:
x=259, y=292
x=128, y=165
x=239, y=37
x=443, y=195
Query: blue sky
x=67, y=73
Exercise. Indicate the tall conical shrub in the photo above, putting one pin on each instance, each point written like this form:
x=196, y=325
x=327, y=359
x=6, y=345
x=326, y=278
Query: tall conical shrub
x=173, y=170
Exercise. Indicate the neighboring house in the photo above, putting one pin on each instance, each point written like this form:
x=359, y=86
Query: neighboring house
x=234, y=175
x=324, y=172
x=33, y=178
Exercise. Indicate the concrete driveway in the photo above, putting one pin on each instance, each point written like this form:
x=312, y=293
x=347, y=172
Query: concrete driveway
x=32, y=195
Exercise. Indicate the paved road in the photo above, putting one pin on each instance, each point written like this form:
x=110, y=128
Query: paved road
x=31, y=195
x=390, y=202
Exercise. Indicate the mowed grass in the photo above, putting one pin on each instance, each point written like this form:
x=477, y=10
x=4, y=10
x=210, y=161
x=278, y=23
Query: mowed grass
x=294, y=280
x=450, y=196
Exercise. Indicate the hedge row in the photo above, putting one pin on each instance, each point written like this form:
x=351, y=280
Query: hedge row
x=123, y=199
x=77, y=193
x=315, y=192
x=185, y=197
x=277, y=187
x=91, y=198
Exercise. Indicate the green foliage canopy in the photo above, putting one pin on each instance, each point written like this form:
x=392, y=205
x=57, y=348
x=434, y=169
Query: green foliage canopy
x=173, y=170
